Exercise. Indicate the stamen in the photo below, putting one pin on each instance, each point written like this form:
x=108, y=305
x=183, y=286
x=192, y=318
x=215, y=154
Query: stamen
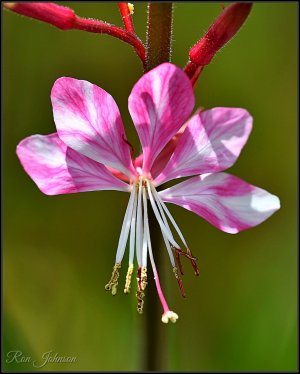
x=125, y=227
x=113, y=283
x=189, y=252
x=132, y=232
x=178, y=261
x=143, y=278
x=164, y=236
x=157, y=215
x=139, y=228
x=169, y=215
x=185, y=254
x=139, y=293
x=128, y=279
x=146, y=229
x=179, y=281
x=193, y=261
x=169, y=249
x=140, y=302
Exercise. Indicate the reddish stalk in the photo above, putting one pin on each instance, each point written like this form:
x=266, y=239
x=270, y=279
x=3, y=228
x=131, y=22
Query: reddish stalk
x=126, y=13
x=225, y=26
x=100, y=27
x=65, y=19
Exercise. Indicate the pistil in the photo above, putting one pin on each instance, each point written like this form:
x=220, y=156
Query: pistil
x=168, y=314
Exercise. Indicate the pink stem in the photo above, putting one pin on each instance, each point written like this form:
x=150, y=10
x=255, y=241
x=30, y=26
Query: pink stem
x=160, y=294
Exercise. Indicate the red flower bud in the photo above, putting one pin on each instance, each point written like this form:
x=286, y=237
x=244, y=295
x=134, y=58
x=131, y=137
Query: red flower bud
x=220, y=32
x=57, y=15
x=65, y=19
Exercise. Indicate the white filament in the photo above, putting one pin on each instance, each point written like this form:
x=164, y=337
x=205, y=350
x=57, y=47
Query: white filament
x=146, y=230
x=164, y=237
x=125, y=227
x=136, y=225
x=159, y=200
x=132, y=232
x=139, y=228
x=157, y=215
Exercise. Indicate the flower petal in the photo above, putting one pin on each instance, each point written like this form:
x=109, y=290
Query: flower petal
x=227, y=202
x=163, y=157
x=211, y=142
x=88, y=120
x=159, y=104
x=58, y=169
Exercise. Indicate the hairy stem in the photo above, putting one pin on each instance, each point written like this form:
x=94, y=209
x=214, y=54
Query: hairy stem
x=159, y=34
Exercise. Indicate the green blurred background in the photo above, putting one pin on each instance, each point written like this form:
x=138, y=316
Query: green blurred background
x=240, y=314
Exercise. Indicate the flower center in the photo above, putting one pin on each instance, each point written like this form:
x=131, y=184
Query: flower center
x=135, y=229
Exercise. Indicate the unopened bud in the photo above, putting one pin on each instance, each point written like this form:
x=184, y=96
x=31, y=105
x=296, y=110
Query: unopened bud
x=57, y=15
x=220, y=32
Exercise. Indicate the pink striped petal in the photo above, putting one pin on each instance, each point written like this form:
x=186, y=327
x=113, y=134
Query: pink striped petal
x=159, y=104
x=211, y=142
x=58, y=169
x=227, y=202
x=88, y=120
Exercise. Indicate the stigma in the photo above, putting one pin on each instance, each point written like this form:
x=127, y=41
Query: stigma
x=135, y=234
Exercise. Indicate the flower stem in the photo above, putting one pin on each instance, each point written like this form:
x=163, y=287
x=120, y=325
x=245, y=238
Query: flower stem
x=159, y=34
x=158, y=50
x=126, y=16
x=65, y=19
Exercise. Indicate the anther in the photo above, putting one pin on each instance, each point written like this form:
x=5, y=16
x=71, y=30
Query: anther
x=193, y=261
x=141, y=283
x=113, y=283
x=143, y=278
x=179, y=281
x=178, y=261
x=188, y=254
x=140, y=302
x=128, y=279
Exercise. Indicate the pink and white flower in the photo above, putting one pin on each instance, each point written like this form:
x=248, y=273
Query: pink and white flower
x=90, y=152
